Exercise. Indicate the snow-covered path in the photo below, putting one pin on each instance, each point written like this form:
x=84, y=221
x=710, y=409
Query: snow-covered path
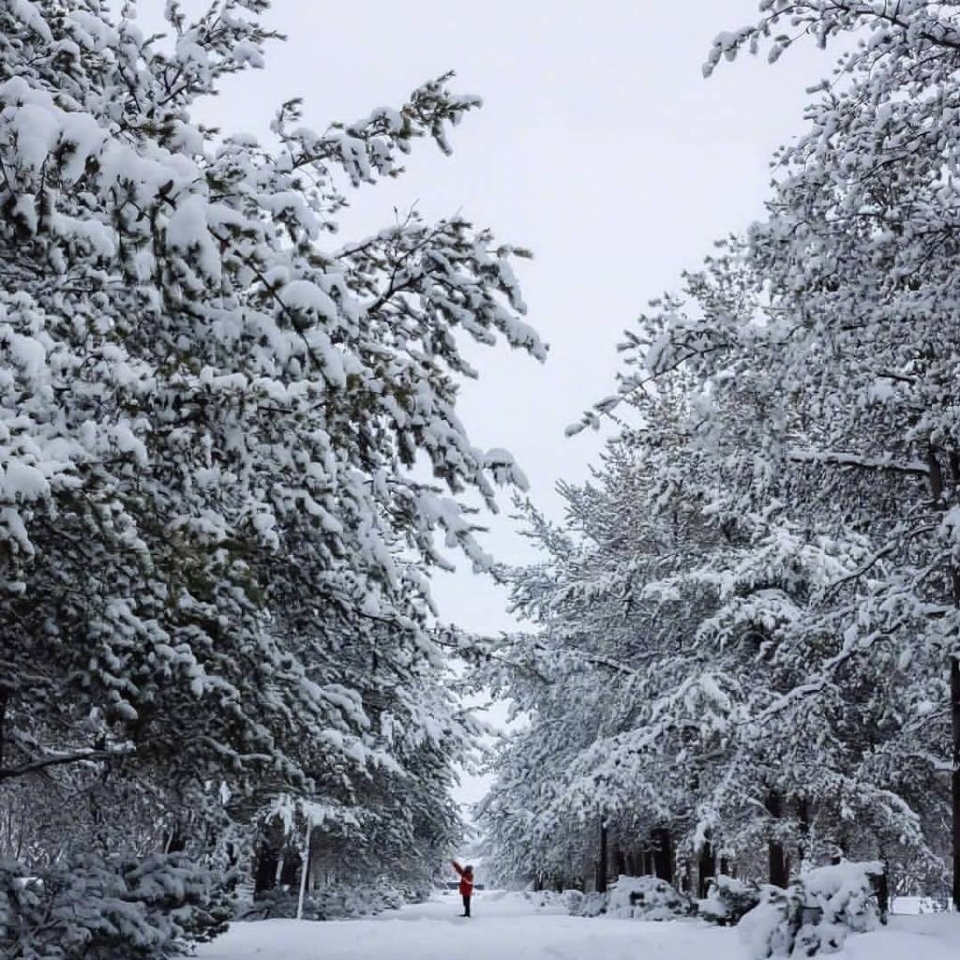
x=510, y=927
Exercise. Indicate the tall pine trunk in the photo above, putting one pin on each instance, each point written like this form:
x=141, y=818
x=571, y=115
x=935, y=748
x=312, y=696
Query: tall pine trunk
x=803, y=832
x=662, y=854
x=4, y=698
x=602, y=862
x=955, y=775
x=777, y=856
x=936, y=492
x=265, y=869
x=290, y=869
x=707, y=868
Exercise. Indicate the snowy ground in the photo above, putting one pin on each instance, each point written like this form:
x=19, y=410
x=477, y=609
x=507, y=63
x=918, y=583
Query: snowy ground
x=512, y=927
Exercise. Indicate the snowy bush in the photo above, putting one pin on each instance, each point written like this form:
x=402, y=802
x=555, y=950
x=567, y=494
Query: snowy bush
x=543, y=899
x=336, y=901
x=339, y=901
x=727, y=900
x=273, y=904
x=770, y=928
x=413, y=890
x=387, y=896
x=593, y=905
x=109, y=909
x=815, y=914
x=640, y=898
x=573, y=901
x=646, y=898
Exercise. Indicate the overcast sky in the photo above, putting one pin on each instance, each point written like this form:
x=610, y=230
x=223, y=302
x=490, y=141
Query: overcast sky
x=600, y=146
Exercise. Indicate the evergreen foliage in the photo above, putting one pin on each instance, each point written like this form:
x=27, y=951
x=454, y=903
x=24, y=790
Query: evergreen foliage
x=748, y=626
x=229, y=451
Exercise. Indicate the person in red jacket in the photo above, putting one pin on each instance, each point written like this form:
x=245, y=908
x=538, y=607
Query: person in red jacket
x=466, y=885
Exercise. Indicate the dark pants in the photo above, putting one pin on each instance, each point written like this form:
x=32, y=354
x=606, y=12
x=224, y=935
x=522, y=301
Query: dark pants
x=466, y=904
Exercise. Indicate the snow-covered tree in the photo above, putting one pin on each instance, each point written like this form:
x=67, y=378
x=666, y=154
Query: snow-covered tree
x=830, y=396
x=689, y=675
x=218, y=427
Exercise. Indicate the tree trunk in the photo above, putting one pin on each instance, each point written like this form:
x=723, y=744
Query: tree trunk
x=4, y=699
x=662, y=854
x=779, y=869
x=602, y=862
x=265, y=873
x=176, y=840
x=304, y=870
x=955, y=775
x=881, y=886
x=803, y=837
x=707, y=868
x=936, y=492
x=290, y=869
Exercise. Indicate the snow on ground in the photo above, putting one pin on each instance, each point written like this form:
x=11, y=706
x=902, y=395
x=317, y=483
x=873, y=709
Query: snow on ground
x=512, y=926
x=933, y=936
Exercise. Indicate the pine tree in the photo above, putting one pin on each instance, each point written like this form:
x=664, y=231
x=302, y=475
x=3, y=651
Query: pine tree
x=216, y=529
x=821, y=352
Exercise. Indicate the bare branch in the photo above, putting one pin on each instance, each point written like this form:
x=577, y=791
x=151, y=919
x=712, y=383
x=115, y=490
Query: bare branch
x=80, y=756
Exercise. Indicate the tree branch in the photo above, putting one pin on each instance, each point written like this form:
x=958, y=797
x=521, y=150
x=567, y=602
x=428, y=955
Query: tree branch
x=35, y=766
x=840, y=459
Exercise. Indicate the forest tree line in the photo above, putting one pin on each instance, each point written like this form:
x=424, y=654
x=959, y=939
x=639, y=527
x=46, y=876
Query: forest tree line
x=232, y=457
x=746, y=630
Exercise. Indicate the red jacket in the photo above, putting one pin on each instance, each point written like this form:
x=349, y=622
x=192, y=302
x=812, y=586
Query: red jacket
x=466, y=879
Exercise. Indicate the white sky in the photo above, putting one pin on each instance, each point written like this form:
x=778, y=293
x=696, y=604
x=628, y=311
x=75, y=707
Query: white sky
x=600, y=146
